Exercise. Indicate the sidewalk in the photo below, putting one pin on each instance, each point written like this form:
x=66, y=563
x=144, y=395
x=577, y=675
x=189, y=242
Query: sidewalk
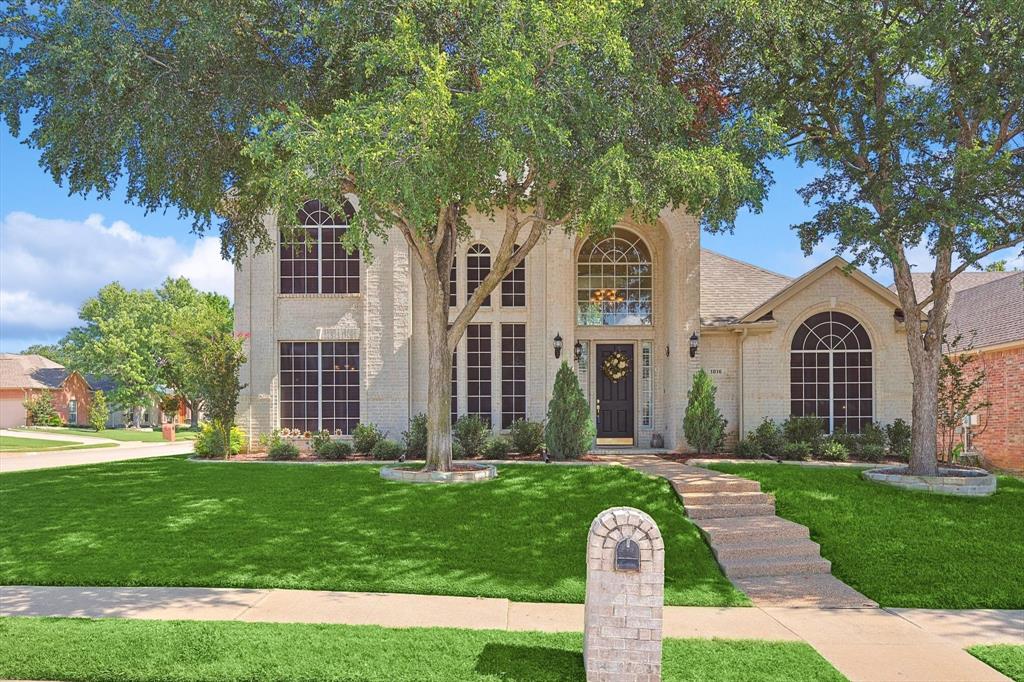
x=863, y=644
x=24, y=461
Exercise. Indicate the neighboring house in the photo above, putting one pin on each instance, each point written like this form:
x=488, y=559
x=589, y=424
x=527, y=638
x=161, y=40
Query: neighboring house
x=152, y=414
x=334, y=341
x=25, y=376
x=989, y=319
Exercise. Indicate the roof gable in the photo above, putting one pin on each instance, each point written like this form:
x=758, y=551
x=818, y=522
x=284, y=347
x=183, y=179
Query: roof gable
x=729, y=287
x=809, y=278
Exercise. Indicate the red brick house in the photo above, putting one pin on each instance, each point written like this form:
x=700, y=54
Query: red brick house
x=990, y=319
x=25, y=376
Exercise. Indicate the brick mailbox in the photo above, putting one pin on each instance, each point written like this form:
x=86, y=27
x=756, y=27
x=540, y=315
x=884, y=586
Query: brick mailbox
x=625, y=597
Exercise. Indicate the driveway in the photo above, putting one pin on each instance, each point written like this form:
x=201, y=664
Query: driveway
x=23, y=461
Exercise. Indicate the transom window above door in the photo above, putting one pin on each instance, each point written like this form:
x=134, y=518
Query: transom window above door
x=614, y=282
x=316, y=262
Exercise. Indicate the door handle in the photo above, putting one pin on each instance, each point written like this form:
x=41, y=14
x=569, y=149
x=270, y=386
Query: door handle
x=599, y=406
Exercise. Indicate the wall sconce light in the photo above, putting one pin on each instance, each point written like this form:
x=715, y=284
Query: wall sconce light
x=668, y=351
x=693, y=344
x=577, y=351
x=558, y=346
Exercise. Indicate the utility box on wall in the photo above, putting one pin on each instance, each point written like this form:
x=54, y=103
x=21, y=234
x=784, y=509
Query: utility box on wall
x=625, y=597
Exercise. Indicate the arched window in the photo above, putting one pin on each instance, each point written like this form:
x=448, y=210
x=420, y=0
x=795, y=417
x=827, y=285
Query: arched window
x=319, y=264
x=613, y=281
x=831, y=372
x=478, y=265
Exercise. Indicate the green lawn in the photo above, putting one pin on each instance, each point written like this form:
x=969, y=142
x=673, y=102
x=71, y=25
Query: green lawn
x=80, y=649
x=169, y=521
x=1006, y=658
x=19, y=444
x=906, y=548
x=141, y=436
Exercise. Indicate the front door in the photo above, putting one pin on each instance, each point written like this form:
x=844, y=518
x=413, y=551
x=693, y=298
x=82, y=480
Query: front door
x=615, y=394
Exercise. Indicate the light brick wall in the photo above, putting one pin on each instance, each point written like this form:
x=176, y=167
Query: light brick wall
x=765, y=358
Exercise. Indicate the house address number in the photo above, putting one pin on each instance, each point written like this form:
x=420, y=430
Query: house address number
x=716, y=371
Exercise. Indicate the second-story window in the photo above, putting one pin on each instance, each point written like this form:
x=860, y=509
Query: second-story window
x=316, y=262
x=513, y=287
x=478, y=266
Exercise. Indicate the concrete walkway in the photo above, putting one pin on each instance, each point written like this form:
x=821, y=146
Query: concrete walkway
x=863, y=644
x=124, y=450
x=772, y=560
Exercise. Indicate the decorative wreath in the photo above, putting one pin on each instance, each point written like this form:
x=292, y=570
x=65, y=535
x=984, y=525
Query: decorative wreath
x=616, y=366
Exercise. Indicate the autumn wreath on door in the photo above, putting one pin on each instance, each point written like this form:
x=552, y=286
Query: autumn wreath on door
x=616, y=366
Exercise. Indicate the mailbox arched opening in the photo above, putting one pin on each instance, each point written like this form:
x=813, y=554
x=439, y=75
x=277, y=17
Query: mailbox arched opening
x=627, y=555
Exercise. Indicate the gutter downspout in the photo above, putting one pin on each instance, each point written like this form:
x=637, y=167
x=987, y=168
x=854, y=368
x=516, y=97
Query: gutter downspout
x=741, y=392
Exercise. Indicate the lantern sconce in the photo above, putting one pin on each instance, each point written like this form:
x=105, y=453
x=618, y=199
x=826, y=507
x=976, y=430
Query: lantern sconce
x=558, y=346
x=693, y=345
x=577, y=351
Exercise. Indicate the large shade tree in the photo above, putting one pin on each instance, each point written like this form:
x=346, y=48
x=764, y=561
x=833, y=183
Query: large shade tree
x=913, y=109
x=548, y=115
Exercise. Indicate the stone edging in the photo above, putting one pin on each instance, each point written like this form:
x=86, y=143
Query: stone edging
x=815, y=463
x=476, y=474
x=980, y=484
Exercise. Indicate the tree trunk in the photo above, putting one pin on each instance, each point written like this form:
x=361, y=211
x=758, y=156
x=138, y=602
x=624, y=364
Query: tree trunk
x=924, y=363
x=136, y=417
x=439, y=388
x=194, y=407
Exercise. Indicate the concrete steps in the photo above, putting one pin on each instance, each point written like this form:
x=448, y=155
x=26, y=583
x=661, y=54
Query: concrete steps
x=777, y=565
x=751, y=529
x=727, y=511
x=729, y=497
x=739, y=551
x=713, y=484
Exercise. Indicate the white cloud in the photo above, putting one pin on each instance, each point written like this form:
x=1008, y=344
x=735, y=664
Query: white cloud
x=48, y=267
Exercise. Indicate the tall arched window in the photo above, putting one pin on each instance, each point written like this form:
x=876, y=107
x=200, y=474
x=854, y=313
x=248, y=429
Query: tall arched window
x=831, y=372
x=614, y=282
x=513, y=287
x=319, y=264
x=478, y=265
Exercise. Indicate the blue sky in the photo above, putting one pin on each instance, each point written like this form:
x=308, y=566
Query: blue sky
x=57, y=250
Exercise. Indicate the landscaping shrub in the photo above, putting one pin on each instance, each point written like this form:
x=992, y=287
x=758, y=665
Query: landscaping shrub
x=873, y=434
x=280, y=449
x=209, y=442
x=470, y=432
x=898, y=435
x=871, y=452
x=768, y=438
x=569, y=431
x=99, y=411
x=320, y=441
x=703, y=423
x=851, y=441
x=336, y=449
x=797, y=451
x=497, y=447
x=387, y=449
x=834, y=451
x=527, y=436
x=748, y=448
x=40, y=410
x=415, y=438
x=365, y=437
x=808, y=430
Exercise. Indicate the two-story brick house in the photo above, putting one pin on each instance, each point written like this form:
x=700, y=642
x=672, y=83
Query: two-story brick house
x=335, y=340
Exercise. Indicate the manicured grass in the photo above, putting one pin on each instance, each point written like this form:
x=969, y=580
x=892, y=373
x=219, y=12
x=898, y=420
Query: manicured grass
x=169, y=521
x=906, y=548
x=141, y=435
x=79, y=649
x=1006, y=658
x=19, y=444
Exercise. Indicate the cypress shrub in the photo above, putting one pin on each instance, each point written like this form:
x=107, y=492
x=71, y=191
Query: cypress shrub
x=569, y=432
x=703, y=423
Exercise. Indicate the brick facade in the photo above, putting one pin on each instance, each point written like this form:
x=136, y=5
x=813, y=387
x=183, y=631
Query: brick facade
x=387, y=319
x=1000, y=434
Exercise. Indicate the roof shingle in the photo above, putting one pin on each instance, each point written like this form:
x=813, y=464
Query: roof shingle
x=729, y=288
x=989, y=314
x=30, y=371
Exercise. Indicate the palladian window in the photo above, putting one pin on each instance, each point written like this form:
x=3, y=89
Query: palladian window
x=614, y=281
x=316, y=262
x=831, y=372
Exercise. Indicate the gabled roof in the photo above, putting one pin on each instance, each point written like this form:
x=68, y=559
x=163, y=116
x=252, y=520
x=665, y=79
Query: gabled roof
x=30, y=371
x=988, y=314
x=965, y=280
x=809, y=278
x=729, y=288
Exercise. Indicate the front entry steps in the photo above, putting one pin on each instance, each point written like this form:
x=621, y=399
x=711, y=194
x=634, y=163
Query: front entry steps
x=771, y=559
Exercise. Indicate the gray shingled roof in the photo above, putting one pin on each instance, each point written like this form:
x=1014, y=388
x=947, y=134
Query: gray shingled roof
x=729, y=288
x=989, y=314
x=30, y=371
x=965, y=280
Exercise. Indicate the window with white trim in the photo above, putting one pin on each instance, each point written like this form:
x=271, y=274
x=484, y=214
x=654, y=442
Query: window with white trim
x=513, y=287
x=312, y=259
x=646, y=384
x=319, y=385
x=478, y=371
x=513, y=373
x=478, y=266
x=831, y=372
x=614, y=282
